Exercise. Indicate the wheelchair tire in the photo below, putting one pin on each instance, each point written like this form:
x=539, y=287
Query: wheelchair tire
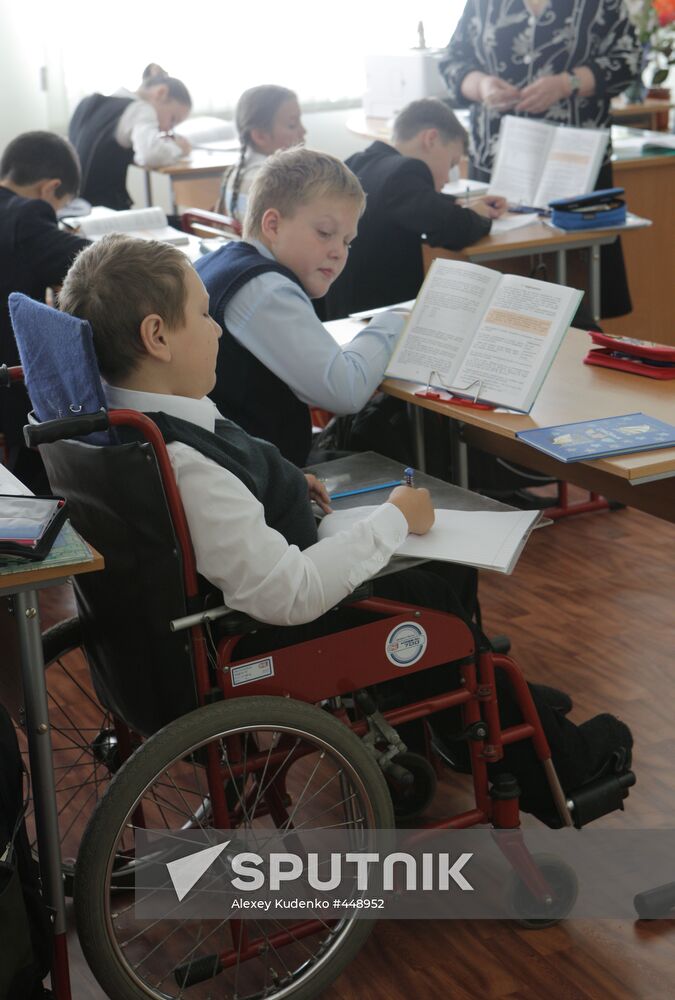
x=134, y=961
x=532, y=913
x=77, y=721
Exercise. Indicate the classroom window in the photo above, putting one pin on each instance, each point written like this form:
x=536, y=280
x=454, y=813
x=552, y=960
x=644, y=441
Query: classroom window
x=220, y=49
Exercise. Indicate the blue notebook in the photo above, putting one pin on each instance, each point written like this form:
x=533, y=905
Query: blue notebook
x=591, y=439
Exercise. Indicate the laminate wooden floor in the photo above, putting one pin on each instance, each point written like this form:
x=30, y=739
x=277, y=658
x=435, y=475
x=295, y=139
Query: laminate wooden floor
x=589, y=609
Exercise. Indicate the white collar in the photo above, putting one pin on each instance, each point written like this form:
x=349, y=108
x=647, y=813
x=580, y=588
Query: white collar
x=202, y=412
x=262, y=249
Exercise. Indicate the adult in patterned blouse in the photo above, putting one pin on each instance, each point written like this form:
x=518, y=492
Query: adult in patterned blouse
x=562, y=60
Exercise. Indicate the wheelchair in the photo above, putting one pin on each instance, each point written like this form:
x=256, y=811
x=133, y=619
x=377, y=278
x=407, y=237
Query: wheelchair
x=199, y=737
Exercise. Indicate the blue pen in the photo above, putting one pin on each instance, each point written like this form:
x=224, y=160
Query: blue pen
x=366, y=489
x=408, y=474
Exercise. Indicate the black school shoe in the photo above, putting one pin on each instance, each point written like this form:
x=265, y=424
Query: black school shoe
x=609, y=746
x=552, y=697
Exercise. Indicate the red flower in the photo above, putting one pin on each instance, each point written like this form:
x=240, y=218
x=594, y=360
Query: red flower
x=665, y=11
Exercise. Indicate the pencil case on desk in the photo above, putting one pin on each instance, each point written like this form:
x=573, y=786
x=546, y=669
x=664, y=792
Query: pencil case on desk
x=596, y=210
x=627, y=354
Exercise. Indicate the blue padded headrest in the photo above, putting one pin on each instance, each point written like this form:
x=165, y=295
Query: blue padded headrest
x=59, y=364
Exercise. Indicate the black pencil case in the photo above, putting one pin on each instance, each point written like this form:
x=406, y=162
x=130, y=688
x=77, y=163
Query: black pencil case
x=29, y=525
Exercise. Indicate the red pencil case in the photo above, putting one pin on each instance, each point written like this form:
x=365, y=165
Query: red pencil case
x=627, y=354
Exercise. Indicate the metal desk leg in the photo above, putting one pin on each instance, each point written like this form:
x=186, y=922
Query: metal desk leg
x=42, y=779
x=416, y=417
x=561, y=267
x=459, y=455
x=595, y=282
x=148, y=189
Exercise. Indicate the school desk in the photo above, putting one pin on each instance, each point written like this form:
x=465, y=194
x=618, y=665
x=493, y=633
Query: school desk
x=649, y=182
x=195, y=180
x=652, y=113
x=541, y=238
x=571, y=391
x=21, y=588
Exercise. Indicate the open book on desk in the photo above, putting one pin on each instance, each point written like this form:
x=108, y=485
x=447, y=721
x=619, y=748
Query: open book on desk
x=537, y=162
x=483, y=335
x=143, y=223
x=486, y=539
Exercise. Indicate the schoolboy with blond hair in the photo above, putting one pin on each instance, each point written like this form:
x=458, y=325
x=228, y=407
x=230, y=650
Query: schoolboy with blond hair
x=248, y=510
x=276, y=360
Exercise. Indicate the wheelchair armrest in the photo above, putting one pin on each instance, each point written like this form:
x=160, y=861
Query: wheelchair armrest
x=67, y=427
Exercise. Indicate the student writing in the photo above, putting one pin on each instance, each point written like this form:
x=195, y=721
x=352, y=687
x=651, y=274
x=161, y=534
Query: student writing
x=267, y=118
x=276, y=358
x=39, y=174
x=403, y=185
x=248, y=509
x=111, y=132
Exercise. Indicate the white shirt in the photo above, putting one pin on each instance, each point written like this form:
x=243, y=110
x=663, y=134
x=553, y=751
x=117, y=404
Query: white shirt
x=274, y=319
x=254, y=566
x=138, y=129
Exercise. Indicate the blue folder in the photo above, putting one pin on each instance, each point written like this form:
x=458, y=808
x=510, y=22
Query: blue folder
x=603, y=438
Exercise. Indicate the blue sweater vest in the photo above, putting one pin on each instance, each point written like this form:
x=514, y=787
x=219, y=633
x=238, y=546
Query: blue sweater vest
x=246, y=391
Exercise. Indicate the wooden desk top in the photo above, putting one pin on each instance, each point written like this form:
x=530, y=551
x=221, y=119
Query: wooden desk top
x=535, y=238
x=200, y=163
x=23, y=579
x=574, y=391
x=571, y=391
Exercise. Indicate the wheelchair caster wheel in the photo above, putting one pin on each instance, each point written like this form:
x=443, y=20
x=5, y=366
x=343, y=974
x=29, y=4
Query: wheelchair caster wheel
x=534, y=913
x=412, y=798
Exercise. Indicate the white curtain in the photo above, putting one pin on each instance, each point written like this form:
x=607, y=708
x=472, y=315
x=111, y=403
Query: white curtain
x=221, y=47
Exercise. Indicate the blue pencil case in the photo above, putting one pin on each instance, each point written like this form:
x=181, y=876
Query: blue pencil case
x=596, y=210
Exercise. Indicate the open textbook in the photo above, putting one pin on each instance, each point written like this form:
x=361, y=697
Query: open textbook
x=537, y=162
x=144, y=223
x=483, y=335
x=487, y=539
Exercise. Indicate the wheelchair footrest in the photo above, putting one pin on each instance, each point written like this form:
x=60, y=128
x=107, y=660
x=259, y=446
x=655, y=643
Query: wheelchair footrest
x=599, y=797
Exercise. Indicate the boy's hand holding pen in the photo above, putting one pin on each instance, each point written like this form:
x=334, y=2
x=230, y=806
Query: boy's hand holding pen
x=414, y=504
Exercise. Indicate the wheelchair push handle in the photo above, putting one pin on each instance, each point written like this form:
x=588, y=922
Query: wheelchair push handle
x=64, y=428
x=8, y=376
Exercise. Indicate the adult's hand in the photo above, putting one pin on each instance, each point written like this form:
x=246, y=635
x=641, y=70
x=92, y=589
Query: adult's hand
x=498, y=94
x=538, y=97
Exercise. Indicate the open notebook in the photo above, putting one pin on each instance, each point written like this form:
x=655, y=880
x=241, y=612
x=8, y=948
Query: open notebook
x=486, y=539
x=144, y=223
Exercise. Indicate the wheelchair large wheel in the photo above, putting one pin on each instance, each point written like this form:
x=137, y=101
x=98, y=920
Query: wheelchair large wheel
x=302, y=768
x=83, y=739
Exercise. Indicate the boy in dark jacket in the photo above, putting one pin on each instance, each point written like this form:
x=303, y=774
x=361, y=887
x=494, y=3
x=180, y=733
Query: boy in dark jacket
x=403, y=183
x=39, y=173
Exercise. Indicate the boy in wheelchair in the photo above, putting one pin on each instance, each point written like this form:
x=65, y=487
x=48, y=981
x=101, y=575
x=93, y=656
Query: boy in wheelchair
x=249, y=512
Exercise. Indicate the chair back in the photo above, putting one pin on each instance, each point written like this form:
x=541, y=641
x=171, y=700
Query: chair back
x=59, y=363
x=200, y=222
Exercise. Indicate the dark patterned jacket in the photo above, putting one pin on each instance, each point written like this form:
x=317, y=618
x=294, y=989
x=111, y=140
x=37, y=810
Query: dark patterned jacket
x=503, y=39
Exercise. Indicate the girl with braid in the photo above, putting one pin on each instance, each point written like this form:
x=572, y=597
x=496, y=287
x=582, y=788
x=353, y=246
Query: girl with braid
x=267, y=118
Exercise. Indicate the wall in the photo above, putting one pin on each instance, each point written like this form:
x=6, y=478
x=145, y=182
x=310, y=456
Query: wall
x=24, y=103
